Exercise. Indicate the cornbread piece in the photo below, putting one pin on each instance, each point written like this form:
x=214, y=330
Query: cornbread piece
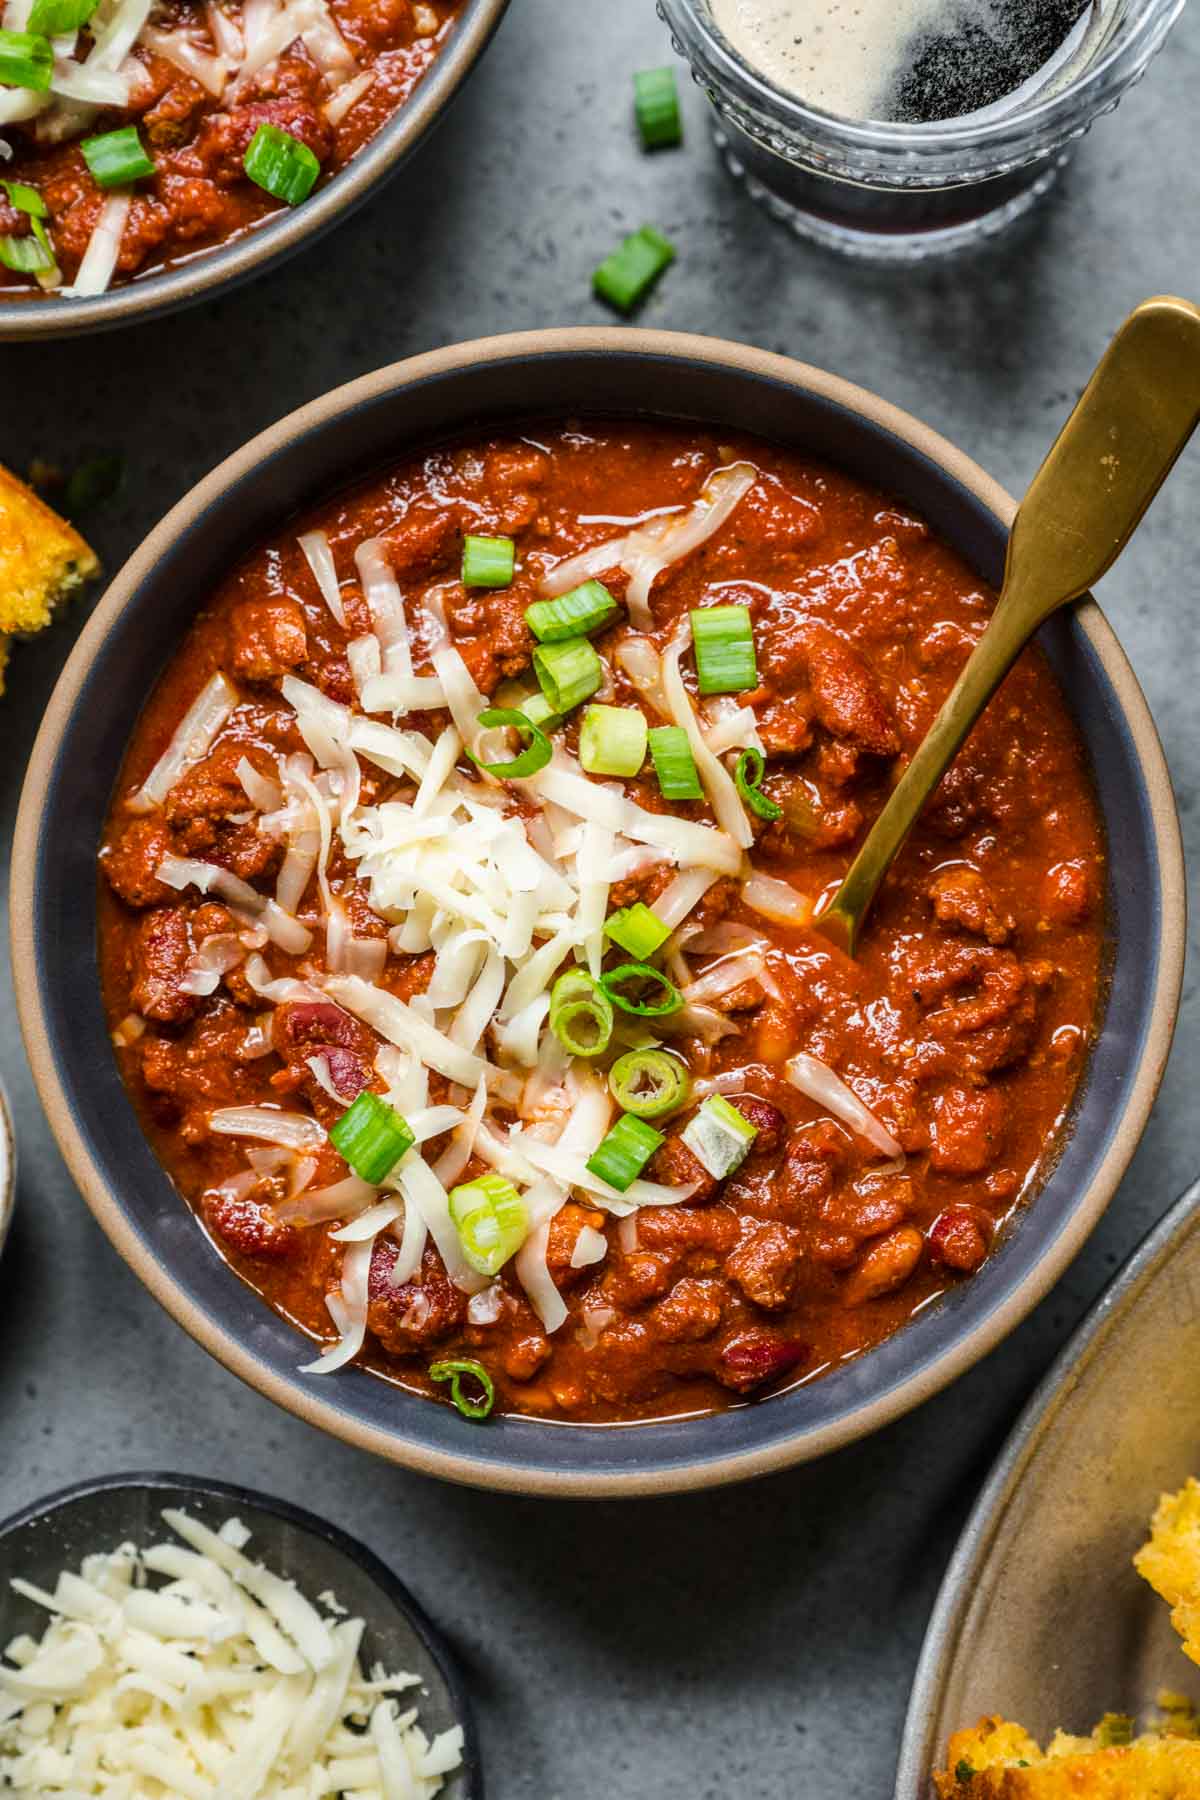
x=997, y=1760
x=43, y=560
x=1170, y=1562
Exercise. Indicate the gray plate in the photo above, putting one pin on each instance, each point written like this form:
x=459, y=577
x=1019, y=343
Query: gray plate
x=1040, y=1616
x=57, y=1533
x=8, y=1167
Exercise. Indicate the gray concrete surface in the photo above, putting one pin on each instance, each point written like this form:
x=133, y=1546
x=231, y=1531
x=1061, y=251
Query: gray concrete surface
x=755, y=1642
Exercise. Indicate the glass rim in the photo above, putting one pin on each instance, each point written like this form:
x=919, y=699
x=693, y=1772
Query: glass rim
x=1114, y=70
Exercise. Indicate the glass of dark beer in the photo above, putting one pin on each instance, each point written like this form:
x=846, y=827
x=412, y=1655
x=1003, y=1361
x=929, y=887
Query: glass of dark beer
x=981, y=103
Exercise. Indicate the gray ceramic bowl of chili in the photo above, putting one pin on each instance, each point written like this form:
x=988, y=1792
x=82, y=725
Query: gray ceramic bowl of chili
x=138, y=625
x=282, y=233
x=58, y=1532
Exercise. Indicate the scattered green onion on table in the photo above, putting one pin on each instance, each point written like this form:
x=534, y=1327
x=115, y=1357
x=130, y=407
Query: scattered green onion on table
x=656, y=108
x=626, y=277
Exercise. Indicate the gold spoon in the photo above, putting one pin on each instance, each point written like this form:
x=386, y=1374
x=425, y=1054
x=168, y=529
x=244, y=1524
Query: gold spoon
x=1108, y=462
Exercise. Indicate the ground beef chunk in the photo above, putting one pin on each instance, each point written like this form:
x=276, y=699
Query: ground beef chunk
x=565, y=1228
x=700, y=1236
x=1068, y=893
x=512, y=478
x=753, y=1358
x=130, y=861
x=766, y=1265
x=205, y=811
x=675, y=1166
x=168, y=122
x=501, y=643
x=968, y=1130
x=267, y=638
x=767, y=1120
x=524, y=1356
x=957, y=802
x=247, y=1225
x=417, y=1313
x=425, y=544
x=959, y=1238
x=845, y=696
x=851, y=1215
x=637, y=1278
x=885, y=1265
x=690, y=1313
x=961, y=897
x=162, y=955
x=979, y=1005
x=806, y=1178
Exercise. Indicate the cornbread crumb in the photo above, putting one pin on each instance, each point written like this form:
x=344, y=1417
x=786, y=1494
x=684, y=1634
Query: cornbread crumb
x=998, y=1760
x=43, y=560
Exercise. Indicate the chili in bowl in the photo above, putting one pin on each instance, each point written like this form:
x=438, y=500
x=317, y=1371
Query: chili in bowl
x=149, y=154
x=455, y=921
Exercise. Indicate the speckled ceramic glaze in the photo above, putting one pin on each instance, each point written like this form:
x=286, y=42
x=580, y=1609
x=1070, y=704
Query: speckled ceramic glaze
x=282, y=233
x=1041, y=1616
x=58, y=1532
x=135, y=629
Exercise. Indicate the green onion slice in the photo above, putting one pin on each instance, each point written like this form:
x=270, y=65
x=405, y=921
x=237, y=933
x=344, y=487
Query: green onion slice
x=656, y=105
x=669, y=998
x=455, y=1372
x=491, y=1221
x=576, y=614
x=649, y=1083
x=674, y=763
x=281, y=164
x=93, y=481
x=568, y=673
x=581, y=1014
x=55, y=17
x=622, y=1155
x=372, y=1137
x=724, y=640
x=25, y=199
x=637, y=929
x=719, y=1137
x=612, y=740
x=539, y=712
x=747, y=775
x=26, y=60
x=536, y=754
x=117, y=158
x=26, y=255
x=629, y=273
x=488, y=562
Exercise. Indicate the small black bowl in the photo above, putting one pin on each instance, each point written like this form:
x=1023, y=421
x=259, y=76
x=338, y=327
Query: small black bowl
x=58, y=1532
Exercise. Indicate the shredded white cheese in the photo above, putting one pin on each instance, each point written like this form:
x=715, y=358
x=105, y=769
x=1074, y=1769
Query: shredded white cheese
x=221, y=1682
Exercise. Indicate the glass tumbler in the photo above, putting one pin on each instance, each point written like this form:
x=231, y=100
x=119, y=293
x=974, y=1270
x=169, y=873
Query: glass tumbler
x=903, y=192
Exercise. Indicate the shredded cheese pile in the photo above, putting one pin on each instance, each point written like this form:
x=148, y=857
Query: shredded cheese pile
x=220, y=1682
x=505, y=892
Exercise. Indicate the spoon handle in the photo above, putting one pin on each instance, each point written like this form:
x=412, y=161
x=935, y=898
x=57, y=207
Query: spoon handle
x=1109, y=460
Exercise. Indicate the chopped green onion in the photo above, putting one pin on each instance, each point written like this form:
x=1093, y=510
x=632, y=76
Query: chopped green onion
x=93, y=481
x=636, y=929
x=55, y=17
x=747, y=774
x=567, y=673
x=491, y=1221
x=26, y=60
x=656, y=103
x=670, y=998
x=488, y=562
x=621, y=1156
x=117, y=158
x=26, y=255
x=535, y=755
x=581, y=1014
x=25, y=199
x=539, y=712
x=1114, y=1729
x=724, y=640
x=612, y=740
x=629, y=273
x=372, y=1137
x=674, y=763
x=585, y=609
x=455, y=1372
x=649, y=1083
x=719, y=1137
x=279, y=163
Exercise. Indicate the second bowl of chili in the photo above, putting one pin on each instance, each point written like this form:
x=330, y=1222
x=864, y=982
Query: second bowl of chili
x=785, y=579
